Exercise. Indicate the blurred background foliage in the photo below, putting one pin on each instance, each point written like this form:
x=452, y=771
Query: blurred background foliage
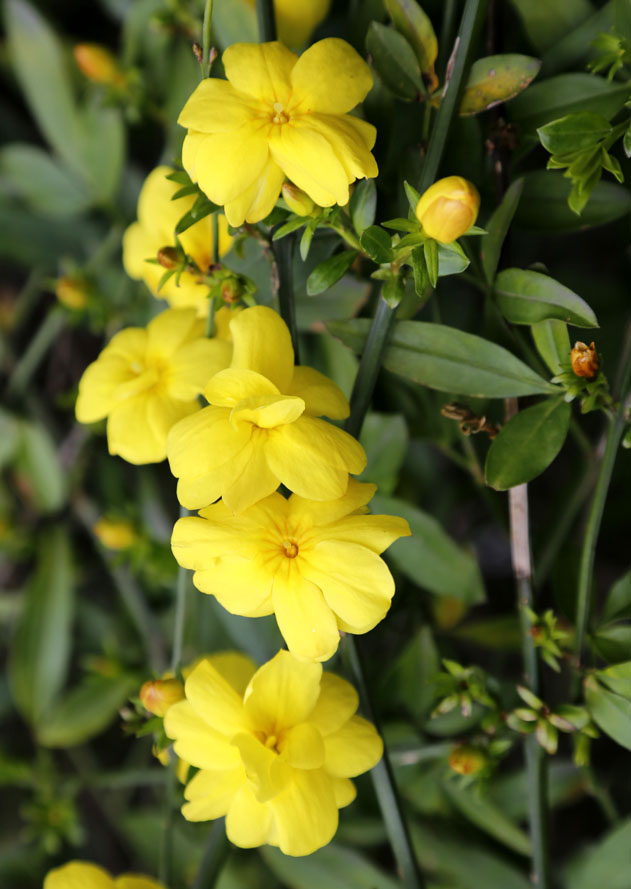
x=85, y=617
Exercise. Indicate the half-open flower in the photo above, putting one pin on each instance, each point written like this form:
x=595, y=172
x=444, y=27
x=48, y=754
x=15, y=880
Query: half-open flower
x=85, y=875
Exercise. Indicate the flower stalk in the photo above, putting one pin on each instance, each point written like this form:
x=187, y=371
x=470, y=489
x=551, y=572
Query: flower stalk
x=266, y=20
x=206, y=29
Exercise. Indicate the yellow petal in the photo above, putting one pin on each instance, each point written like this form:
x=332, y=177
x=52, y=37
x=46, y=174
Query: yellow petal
x=258, y=200
x=136, y=881
x=305, y=813
x=238, y=585
x=356, y=583
x=261, y=342
x=283, y=692
x=310, y=162
x=226, y=164
x=304, y=618
x=197, y=542
x=375, y=532
x=99, y=388
x=344, y=790
x=215, y=107
x=230, y=386
x=321, y=396
x=205, y=441
x=210, y=793
x=236, y=668
x=248, y=821
x=331, y=77
x=260, y=70
x=254, y=482
x=190, y=147
x=129, y=344
x=131, y=435
x=353, y=749
x=238, y=472
x=338, y=701
x=329, y=512
x=194, y=364
x=268, y=411
x=78, y=875
x=164, y=412
x=157, y=213
x=197, y=240
x=266, y=772
x=171, y=329
x=348, y=141
x=196, y=742
x=215, y=700
x=313, y=458
x=139, y=245
x=302, y=747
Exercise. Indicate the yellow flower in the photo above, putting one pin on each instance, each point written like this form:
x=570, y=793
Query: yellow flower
x=296, y=19
x=261, y=428
x=448, y=208
x=157, y=695
x=279, y=116
x=71, y=292
x=315, y=565
x=157, y=217
x=84, y=875
x=116, y=534
x=275, y=753
x=145, y=380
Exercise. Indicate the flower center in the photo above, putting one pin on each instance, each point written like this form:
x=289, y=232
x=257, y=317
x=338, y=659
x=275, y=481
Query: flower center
x=271, y=741
x=279, y=116
x=290, y=548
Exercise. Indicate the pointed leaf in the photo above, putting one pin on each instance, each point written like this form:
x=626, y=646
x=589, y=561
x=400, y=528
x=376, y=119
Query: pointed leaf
x=415, y=25
x=565, y=94
x=574, y=132
x=543, y=206
x=394, y=61
x=363, y=204
x=610, y=712
x=479, y=810
x=378, y=244
x=328, y=272
x=618, y=603
x=525, y=297
x=496, y=79
x=604, y=863
x=553, y=343
x=497, y=229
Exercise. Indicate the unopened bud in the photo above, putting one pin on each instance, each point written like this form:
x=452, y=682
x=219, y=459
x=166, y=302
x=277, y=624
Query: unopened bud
x=115, y=534
x=158, y=695
x=98, y=64
x=467, y=760
x=296, y=199
x=169, y=257
x=584, y=360
x=231, y=291
x=71, y=292
x=448, y=209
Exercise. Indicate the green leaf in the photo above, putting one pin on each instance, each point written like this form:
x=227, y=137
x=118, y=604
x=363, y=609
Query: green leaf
x=102, y=146
x=419, y=270
x=385, y=440
x=618, y=602
x=451, y=259
x=378, y=244
x=38, y=464
x=527, y=444
x=605, y=863
x=86, y=711
x=430, y=558
x=610, y=712
x=41, y=646
x=565, y=94
x=394, y=61
x=497, y=229
x=546, y=22
x=334, y=867
x=411, y=679
x=430, y=249
x=288, y=227
x=328, y=272
x=9, y=437
x=613, y=643
x=543, y=206
x=574, y=47
x=525, y=297
x=574, y=132
x=448, y=359
x=496, y=79
x=617, y=678
x=46, y=185
x=363, y=204
x=553, y=344
x=482, y=812
x=413, y=197
x=622, y=17
x=307, y=238
x=415, y=25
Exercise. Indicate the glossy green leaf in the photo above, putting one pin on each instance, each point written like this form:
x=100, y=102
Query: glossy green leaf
x=415, y=25
x=334, y=867
x=377, y=243
x=448, y=359
x=451, y=259
x=430, y=249
x=574, y=132
x=419, y=271
x=546, y=22
x=527, y=444
x=39, y=467
x=617, y=678
x=43, y=183
x=430, y=558
x=479, y=810
x=394, y=61
x=613, y=643
x=565, y=94
x=543, y=206
x=574, y=46
x=363, y=204
x=328, y=272
x=552, y=341
x=385, y=440
x=525, y=297
x=496, y=79
x=102, y=146
x=86, y=711
x=41, y=646
x=603, y=864
x=610, y=712
x=497, y=229
x=618, y=601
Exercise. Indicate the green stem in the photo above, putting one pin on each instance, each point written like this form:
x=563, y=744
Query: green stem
x=214, y=229
x=36, y=351
x=266, y=20
x=215, y=854
x=210, y=318
x=283, y=252
x=165, y=870
x=594, y=518
x=179, y=621
x=206, y=29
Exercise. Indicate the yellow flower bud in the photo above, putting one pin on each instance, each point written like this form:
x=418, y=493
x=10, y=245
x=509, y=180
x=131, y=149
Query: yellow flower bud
x=115, y=534
x=448, y=209
x=296, y=199
x=71, y=292
x=158, y=695
x=467, y=760
x=169, y=257
x=584, y=360
x=98, y=64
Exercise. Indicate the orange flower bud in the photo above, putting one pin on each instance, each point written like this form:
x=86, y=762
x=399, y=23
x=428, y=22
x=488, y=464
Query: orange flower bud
x=467, y=760
x=169, y=257
x=158, y=695
x=584, y=360
x=115, y=534
x=297, y=201
x=98, y=64
x=71, y=292
x=448, y=209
